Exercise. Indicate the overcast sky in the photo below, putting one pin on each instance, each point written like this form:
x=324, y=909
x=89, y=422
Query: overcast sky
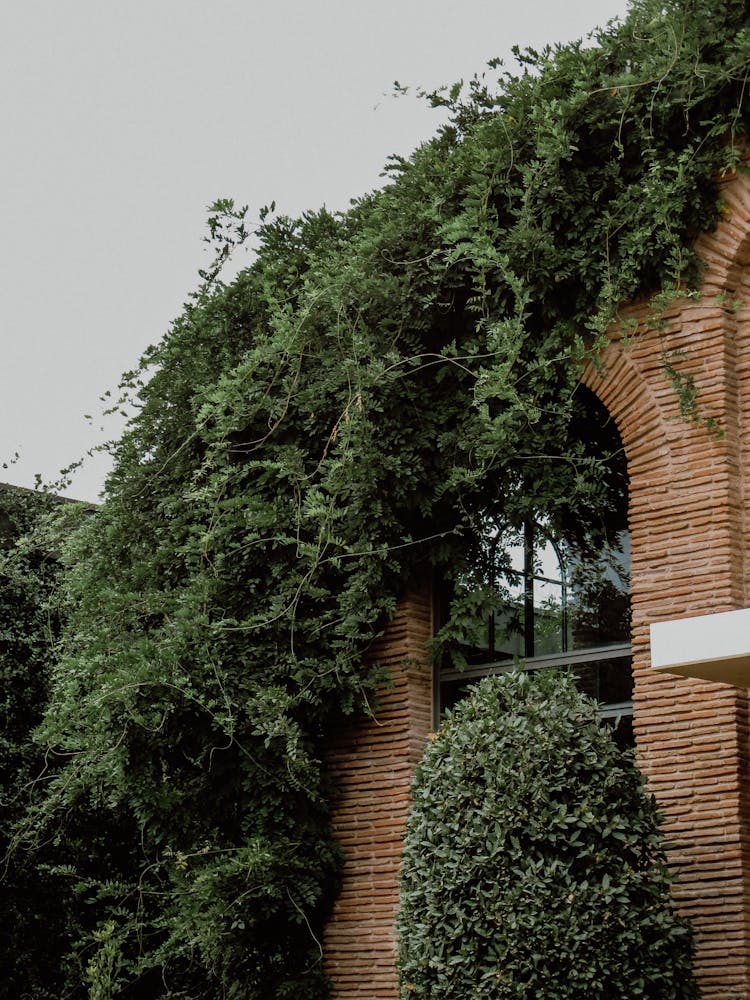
x=122, y=121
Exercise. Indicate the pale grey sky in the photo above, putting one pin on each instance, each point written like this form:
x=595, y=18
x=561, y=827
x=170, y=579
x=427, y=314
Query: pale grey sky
x=122, y=121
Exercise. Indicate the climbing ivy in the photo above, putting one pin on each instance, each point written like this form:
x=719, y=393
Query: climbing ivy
x=314, y=435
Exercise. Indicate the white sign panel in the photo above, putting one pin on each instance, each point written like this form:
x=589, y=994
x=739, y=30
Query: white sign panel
x=712, y=647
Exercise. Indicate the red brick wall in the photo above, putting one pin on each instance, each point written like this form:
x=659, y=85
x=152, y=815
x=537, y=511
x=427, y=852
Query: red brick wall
x=690, y=531
x=372, y=762
x=689, y=519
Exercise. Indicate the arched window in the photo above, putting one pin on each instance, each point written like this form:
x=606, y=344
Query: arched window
x=559, y=598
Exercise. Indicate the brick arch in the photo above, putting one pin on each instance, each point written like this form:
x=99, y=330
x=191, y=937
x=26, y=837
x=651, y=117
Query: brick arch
x=622, y=389
x=690, y=523
x=726, y=251
x=733, y=279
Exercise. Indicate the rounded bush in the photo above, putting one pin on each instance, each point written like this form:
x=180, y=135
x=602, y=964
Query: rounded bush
x=533, y=863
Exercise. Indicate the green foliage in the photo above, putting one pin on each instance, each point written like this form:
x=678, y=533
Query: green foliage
x=307, y=439
x=103, y=968
x=533, y=864
x=27, y=628
x=35, y=906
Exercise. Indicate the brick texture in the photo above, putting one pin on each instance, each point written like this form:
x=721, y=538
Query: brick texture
x=372, y=761
x=689, y=542
x=690, y=533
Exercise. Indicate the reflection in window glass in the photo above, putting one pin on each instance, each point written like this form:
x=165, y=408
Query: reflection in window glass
x=558, y=598
x=550, y=598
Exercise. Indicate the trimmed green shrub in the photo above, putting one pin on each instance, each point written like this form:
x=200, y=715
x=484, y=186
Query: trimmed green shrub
x=533, y=864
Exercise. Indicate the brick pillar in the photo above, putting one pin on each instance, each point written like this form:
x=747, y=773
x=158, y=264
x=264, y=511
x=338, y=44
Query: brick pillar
x=689, y=543
x=372, y=761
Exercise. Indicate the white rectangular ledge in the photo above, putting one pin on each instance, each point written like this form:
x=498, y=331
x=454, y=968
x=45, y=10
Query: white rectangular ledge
x=712, y=647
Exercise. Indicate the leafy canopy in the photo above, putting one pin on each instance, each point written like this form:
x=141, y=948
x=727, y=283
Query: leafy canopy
x=309, y=438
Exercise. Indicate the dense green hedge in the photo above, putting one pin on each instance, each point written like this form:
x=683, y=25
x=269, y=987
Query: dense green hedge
x=533, y=864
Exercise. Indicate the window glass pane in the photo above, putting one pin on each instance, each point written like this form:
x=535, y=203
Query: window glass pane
x=555, y=590
x=622, y=730
x=610, y=682
x=598, y=600
x=551, y=596
x=551, y=633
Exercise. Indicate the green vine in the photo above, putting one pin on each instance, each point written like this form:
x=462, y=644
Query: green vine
x=315, y=435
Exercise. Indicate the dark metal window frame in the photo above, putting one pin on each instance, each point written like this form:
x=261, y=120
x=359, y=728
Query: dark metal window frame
x=595, y=654
x=565, y=659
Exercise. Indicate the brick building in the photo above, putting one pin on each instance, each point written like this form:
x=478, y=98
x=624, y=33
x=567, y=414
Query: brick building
x=689, y=521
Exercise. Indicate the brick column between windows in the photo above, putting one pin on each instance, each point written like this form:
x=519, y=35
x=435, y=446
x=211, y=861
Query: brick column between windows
x=372, y=761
